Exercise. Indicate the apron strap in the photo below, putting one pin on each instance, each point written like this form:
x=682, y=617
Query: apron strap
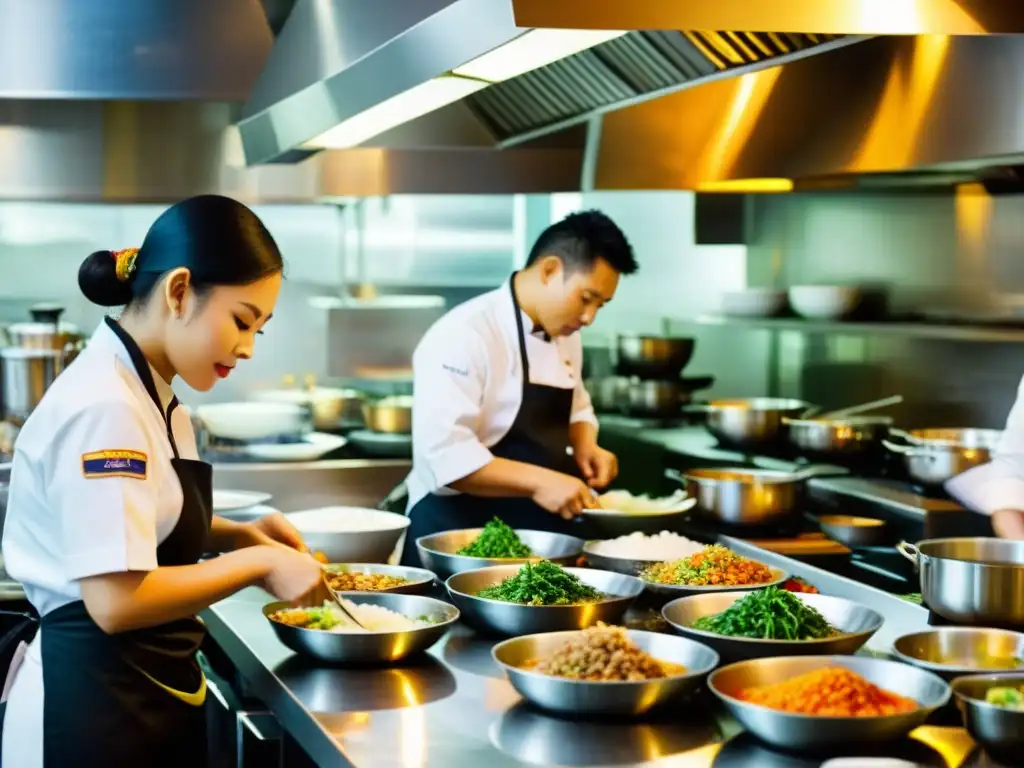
x=519, y=330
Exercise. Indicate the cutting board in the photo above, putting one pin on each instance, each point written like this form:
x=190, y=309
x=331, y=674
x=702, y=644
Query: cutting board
x=806, y=544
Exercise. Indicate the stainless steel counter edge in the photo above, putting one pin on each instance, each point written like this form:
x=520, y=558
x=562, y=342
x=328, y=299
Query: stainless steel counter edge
x=302, y=466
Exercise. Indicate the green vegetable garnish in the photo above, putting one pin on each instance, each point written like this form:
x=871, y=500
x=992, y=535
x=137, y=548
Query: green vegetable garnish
x=496, y=540
x=1005, y=697
x=768, y=614
x=543, y=583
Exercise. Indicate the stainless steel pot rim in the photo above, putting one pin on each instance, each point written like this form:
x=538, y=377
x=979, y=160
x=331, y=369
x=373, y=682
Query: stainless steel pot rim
x=744, y=476
x=511, y=560
x=690, y=672
x=849, y=421
x=952, y=668
x=846, y=521
x=993, y=677
x=415, y=575
x=636, y=584
x=952, y=437
x=758, y=403
x=911, y=551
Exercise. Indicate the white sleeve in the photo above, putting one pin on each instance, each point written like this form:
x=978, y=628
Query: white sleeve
x=102, y=489
x=1000, y=483
x=449, y=375
x=582, y=407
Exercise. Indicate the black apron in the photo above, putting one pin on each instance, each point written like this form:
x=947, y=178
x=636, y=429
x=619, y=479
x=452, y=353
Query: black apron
x=539, y=435
x=134, y=698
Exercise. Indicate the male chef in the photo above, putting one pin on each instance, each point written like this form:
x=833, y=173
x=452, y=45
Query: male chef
x=498, y=397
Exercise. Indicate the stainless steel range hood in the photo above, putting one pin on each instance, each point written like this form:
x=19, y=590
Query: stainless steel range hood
x=341, y=73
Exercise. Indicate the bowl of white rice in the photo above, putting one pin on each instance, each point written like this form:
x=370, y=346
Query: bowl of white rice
x=394, y=626
x=350, y=534
x=636, y=551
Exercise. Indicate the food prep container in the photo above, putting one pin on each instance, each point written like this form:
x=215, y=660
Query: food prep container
x=253, y=421
x=933, y=456
x=512, y=619
x=418, y=580
x=581, y=698
x=853, y=531
x=371, y=647
x=611, y=523
x=856, y=623
x=350, y=534
x=973, y=581
x=330, y=408
x=674, y=591
x=750, y=422
x=848, y=437
x=645, y=398
x=954, y=651
x=825, y=302
x=438, y=551
x=653, y=357
x=809, y=733
x=390, y=415
x=999, y=730
x=25, y=375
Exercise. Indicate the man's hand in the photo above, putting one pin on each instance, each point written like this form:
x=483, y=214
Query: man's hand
x=564, y=495
x=1008, y=523
x=599, y=467
x=276, y=530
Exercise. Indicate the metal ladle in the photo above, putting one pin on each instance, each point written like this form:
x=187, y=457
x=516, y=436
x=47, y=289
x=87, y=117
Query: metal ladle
x=884, y=402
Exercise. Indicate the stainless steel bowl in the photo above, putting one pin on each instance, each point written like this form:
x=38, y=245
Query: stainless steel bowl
x=955, y=651
x=512, y=619
x=580, y=698
x=391, y=415
x=807, y=733
x=419, y=579
x=653, y=357
x=1000, y=730
x=934, y=456
x=624, y=565
x=437, y=551
x=853, y=531
x=753, y=421
x=853, y=436
x=856, y=622
x=739, y=496
x=673, y=591
x=971, y=581
x=370, y=647
x=610, y=523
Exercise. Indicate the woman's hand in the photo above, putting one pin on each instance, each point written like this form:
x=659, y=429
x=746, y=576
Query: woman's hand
x=599, y=467
x=275, y=529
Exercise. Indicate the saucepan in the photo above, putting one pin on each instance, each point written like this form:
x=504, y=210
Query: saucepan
x=976, y=581
x=933, y=456
x=331, y=408
x=644, y=398
x=844, y=433
x=739, y=496
x=753, y=421
x=392, y=415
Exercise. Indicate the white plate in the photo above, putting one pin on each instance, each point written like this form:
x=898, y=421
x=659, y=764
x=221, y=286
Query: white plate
x=225, y=501
x=311, y=448
x=675, y=509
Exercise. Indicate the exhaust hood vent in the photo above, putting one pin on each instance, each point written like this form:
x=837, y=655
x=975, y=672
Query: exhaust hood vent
x=631, y=67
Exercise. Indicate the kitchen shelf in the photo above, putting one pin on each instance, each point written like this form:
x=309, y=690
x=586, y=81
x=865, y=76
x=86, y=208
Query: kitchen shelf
x=949, y=332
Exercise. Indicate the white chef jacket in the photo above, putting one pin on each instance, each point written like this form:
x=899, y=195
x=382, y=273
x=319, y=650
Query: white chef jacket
x=468, y=387
x=74, y=510
x=1000, y=483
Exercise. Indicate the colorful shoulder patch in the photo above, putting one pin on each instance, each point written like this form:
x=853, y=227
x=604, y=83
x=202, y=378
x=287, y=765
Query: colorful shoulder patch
x=114, y=464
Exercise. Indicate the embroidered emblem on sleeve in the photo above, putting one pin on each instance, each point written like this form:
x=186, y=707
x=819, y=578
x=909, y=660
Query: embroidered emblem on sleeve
x=114, y=464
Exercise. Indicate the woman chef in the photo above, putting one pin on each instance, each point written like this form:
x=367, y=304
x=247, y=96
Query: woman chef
x=498, y=395
x=110, y=508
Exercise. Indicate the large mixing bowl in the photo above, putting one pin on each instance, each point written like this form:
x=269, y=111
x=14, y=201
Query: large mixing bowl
x=954, y=651
x=350, y=534
x=582, y=698
x=810, y=733
x=856, y=623
x=369, y=647
x=513, y=619
x=438, y=551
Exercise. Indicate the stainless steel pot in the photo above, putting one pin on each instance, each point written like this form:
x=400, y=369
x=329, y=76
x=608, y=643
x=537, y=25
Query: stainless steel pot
x=638, y=397
x=753, y=421
x=392, y=415
x=25, y=375
x=330, y=408
x=653, y=357
x=740, y=496
x=853, y=436
x=933, y=456
x=976, y=581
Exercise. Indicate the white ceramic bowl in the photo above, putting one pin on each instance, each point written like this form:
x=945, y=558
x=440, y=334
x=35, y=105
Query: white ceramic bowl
x=824, y=302
x=253, y=421
x=753, y=302
x=350, y=534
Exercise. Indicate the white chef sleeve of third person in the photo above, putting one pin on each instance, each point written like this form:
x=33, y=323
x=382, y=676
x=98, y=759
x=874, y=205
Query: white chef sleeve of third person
x=107, y=518
x=447, y=410
x=1000, y=483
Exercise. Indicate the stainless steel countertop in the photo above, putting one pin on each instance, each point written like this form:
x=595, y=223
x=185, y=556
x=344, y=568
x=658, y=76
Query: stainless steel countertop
x=454, y=709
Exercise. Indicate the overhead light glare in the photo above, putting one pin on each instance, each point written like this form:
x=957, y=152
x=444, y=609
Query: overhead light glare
x=747, y=185
x=531, y=50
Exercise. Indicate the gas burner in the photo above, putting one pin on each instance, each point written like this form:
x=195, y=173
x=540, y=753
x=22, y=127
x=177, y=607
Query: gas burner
x=705, y=530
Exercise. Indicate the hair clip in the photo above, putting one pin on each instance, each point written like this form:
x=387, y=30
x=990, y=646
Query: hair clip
x=124, y=261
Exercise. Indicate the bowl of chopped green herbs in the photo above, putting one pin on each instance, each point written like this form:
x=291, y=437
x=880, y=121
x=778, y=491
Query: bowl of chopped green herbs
x=516, y=600
x=496, y=543
x=773, y=622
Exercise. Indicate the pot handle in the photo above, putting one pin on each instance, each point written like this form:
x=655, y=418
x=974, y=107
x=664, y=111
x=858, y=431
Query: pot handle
x=906, y=450
x=910, y=552
x=676, y=476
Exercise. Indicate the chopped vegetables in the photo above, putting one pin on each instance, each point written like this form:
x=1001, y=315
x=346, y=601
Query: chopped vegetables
x=543, y=583
x=324, y=617
x=354, y=581
x=829, y=692
x=603, y=654
x=373, y=618
x=1005, y=696
x=798, y=585
x=496, y=540
x=768, y=614
x=713, y=566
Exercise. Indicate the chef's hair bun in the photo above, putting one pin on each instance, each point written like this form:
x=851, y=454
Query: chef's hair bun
x=97, y=277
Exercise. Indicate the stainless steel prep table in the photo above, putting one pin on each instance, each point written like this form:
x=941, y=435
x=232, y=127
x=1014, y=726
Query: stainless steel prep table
x=454, y=709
